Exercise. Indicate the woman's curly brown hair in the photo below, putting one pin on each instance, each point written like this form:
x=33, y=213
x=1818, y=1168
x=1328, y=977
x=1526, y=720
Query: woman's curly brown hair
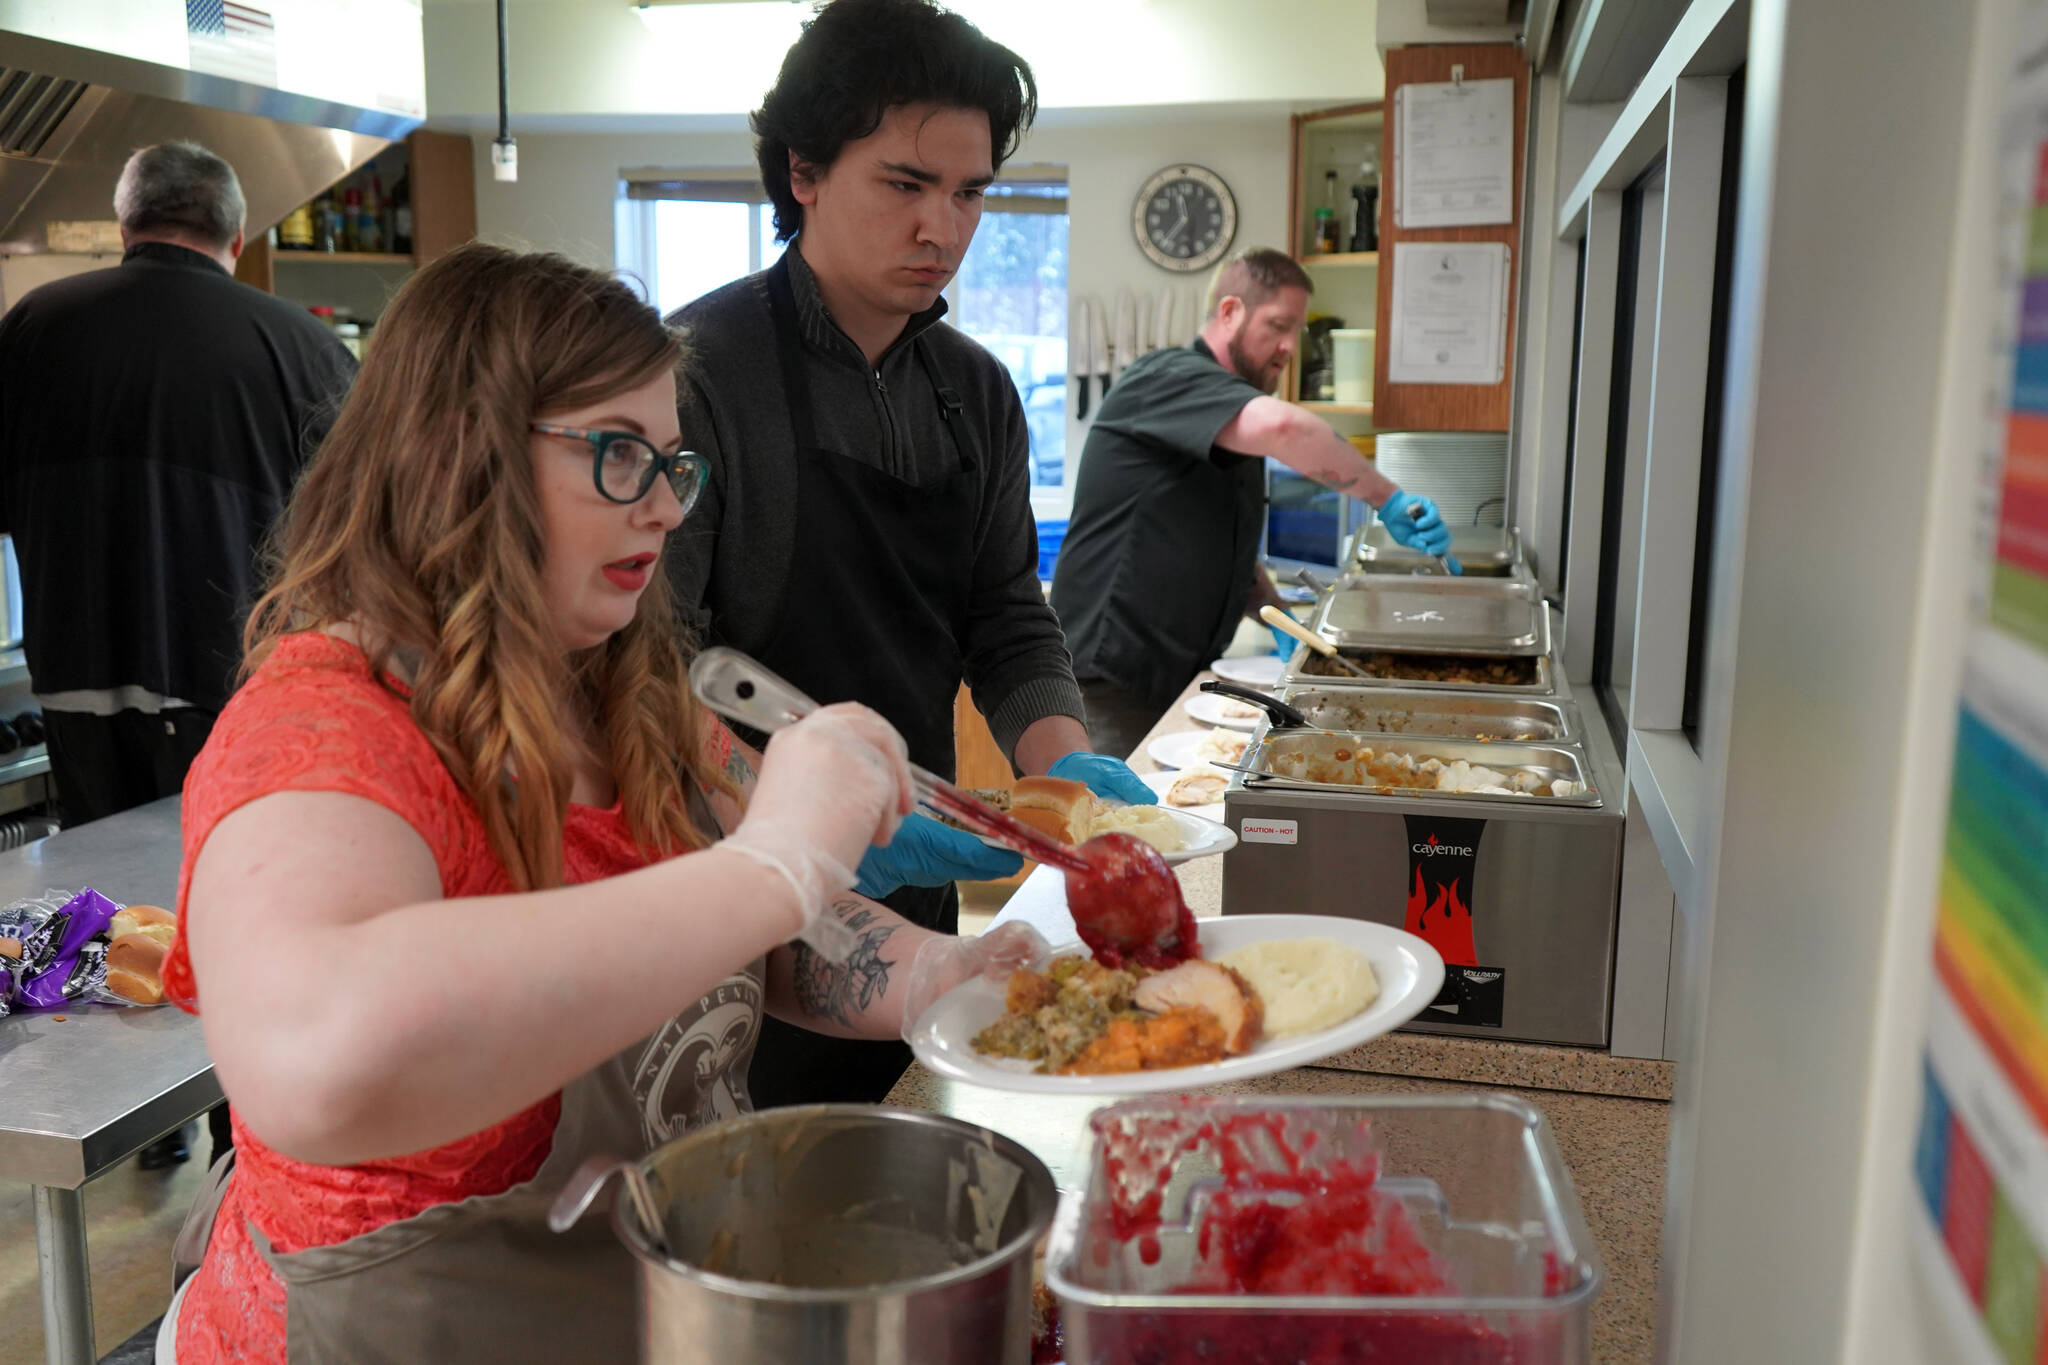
x=417, y=527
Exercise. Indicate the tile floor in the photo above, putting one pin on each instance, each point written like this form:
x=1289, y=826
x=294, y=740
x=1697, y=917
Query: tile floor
x=132, y=1216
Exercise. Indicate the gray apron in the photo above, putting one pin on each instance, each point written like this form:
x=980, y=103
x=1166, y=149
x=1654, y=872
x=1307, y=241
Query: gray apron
x=482, y=1280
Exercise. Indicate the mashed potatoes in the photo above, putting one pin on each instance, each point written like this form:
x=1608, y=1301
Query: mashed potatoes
x=1306, y=983
x=1149, y=823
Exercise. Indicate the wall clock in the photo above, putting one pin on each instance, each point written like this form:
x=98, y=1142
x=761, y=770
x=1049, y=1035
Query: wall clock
x=1185, y=218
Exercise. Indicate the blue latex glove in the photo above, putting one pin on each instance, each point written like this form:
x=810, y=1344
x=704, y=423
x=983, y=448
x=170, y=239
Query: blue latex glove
x=1105, y=776
x=1426, y=532
x=1283, y=644
x=927, y=853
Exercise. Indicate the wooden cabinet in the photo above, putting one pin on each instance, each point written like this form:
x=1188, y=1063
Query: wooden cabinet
x=441, y=175
x=1453, y=407
x=1335, y=152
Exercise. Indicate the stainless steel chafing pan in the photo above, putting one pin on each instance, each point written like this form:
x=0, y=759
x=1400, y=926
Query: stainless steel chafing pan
x=1528, y=676
x=1445, y=713
x=1326, y=760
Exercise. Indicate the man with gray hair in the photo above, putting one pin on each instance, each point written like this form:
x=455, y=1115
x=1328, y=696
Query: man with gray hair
x=152, y=421
x=1161, y=554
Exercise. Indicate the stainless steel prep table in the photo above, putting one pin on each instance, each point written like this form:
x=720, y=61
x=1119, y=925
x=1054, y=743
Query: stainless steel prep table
x=82, y=1096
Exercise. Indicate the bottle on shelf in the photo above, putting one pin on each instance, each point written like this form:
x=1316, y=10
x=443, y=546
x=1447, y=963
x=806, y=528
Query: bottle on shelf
x=352, y=220
x=401, y=213
x=295, y=233
x=324, y=217
x=370, y=227
x=1327, y=239
x=1365, y=208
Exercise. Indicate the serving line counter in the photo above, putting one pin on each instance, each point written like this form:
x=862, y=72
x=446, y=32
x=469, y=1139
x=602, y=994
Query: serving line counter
x=85, y=1087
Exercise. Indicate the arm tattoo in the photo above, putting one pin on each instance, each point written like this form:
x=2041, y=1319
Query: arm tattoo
x=737, y=768
x=828, y=990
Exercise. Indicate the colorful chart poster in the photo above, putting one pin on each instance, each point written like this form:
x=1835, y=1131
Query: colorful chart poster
x=1981, y=1159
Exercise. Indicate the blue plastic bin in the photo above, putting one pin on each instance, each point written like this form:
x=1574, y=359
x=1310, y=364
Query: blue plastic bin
x=1050, y=534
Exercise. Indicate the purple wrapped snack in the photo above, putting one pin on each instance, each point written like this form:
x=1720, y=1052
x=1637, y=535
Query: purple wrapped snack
x=64, y=967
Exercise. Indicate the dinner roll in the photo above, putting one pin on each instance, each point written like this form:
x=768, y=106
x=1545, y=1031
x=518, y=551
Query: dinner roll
x=135, y=968
x=1051, y=823
x=153, y=920
x=1070, y=803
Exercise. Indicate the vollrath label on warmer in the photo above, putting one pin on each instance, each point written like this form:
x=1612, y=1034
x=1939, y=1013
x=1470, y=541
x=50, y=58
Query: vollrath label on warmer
x=1267, y=831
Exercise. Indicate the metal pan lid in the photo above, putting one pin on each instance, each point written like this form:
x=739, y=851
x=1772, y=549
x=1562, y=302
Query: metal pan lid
x=1496, y=545
x=1435, y=615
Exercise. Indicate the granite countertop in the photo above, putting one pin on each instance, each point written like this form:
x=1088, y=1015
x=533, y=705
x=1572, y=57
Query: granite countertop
x=1609, y=1114
x=1613, y=1147
x=1433, y=1056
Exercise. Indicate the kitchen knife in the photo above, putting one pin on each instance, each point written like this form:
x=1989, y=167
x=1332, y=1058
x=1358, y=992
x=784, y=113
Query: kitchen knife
x=1098, y=341
x=1141, y=328
x=1080, y=352
x=1123, y=345
x=1165, y=321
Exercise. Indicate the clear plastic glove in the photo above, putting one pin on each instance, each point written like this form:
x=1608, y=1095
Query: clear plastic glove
x=944, y=962
x=1426, y=532
x=1283, y=644
x=927, y=853
x=1105, y=776
x=831, y=785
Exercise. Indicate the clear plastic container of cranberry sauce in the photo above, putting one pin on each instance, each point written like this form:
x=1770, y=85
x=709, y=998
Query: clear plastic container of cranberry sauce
x=1423, y=1230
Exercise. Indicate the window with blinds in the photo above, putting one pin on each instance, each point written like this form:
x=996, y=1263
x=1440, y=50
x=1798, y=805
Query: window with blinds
x=684, y=234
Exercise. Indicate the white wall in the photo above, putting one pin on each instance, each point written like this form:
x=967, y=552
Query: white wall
x=1885, y=1318
x=602, y=59
x=1856, y=382
x=19, y=274
x=568, y=184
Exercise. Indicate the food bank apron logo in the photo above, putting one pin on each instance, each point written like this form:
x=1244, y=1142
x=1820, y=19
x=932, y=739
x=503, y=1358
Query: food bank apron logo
x=693, y=1072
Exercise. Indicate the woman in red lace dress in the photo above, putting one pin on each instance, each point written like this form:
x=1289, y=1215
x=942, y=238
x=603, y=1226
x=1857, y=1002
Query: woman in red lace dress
x=455, y=900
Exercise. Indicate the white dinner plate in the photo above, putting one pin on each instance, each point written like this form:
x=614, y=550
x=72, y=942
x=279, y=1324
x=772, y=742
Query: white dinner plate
x=1178, y=750
x=1410, y=974
x=1210, y=709
x=1162, y=782
x=1254, y=670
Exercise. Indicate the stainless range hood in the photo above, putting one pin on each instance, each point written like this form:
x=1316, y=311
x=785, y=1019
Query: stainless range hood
x=270, y=93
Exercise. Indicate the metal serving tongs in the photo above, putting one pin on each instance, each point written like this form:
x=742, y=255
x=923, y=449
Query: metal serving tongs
x=1448, y=563
x=1280, y=620
x=1119, y=890
x=741, y=689
x=1285, y=717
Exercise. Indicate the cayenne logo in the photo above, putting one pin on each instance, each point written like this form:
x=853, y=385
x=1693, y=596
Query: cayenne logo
x=1433, y=849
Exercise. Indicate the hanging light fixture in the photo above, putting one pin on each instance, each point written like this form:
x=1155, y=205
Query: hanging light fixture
x=504, y=152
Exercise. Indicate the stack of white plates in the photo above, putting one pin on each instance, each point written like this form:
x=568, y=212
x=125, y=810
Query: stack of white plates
x=1464, y=472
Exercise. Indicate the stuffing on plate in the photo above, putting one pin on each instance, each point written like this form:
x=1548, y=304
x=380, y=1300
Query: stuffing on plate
x=1080, y=1018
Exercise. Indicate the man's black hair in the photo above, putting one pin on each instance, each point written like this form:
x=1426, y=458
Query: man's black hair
x=858, y=59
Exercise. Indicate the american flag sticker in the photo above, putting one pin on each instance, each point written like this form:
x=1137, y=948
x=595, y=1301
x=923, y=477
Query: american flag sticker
x=231, y=39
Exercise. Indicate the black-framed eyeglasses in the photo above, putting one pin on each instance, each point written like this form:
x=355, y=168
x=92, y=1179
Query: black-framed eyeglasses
x=624, y=466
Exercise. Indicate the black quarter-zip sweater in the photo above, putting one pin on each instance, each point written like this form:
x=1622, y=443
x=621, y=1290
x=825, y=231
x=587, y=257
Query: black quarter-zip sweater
x=735, y=557
x=153, y=418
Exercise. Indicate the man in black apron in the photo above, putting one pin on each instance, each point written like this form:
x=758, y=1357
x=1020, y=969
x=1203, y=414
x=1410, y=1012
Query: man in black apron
x=1161, y=555
x=867, y=528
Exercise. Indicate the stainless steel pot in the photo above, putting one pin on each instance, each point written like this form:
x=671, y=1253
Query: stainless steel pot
x=831, y=1235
